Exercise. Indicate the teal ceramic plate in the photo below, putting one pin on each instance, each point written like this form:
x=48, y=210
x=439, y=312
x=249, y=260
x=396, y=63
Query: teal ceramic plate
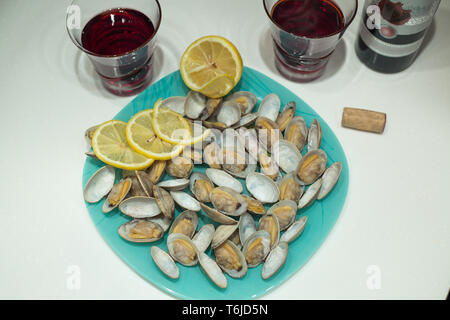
x=193, y=283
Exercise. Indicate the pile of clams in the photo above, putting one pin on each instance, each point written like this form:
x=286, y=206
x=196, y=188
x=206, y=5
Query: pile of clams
x=271, y=154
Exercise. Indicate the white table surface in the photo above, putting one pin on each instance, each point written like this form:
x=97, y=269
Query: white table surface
x=395, y=225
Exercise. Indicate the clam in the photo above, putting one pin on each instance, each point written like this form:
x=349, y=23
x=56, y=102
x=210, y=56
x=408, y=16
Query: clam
x=136, y=189
x=238, y=164
x=212, y=270
x=165, y=262
x=194, y=105
x=256, y=248
x=179, y=167
x=269, y=222
x=186, y=223
x=294, y=230
x=141, y=230
x=329, y=179
x=202, y=239
x=268, y=166
x=201, y=186
x=211, y=107
x=228, y=201
x=286, y=115
x=217, y=215
x=286, y=155
x=156, y=170
x=212, y=155
x=229, y=113
x=247, y=227
x=88, y=134
x=118, y=192
x=314, y=135
x=275, y=260
x=310, y=195
x=164, y=201
x=145, y=182
x=185, y=201
x=222, y=234
x=174, y=184
x=285, y=211
x=182, y=249
x=230, y=259
x=249, y=139
x=297, y=132
x=246, y=120
x=139, y=207
x=290, y=189
x=222, y=179
x=244, y=99
x=162, y=220
x=262, y=188
x=254, y=206
x=268, y=132
x=214, y=125
x=270, y=107
x=311, y=167
x=100, y=184
x=175, y=103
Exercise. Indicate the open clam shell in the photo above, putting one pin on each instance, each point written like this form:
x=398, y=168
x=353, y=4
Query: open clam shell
x=228, y=201
x=212, y=270
x=164, y=201
x=311, y=167
x=162, y=220
x=286, y=155
x=246, y=100
x=222, y=179
x=314, y=135
x=254, y=206
x=230, y=259
x=146, y=183
x=290, y=189
x=296, y=132
x=222, y=234
x=141, y=231
x=270, y=107
x=275, y=260
x=229, y=113
x=185, y=201
x=212, y=155
x=310, y=195
x=140, y=207
x=202, y=239
x=246, y=120
x=200, y=186
x=186, y=223
x=247, y=227
x=286, y=115
x=118, y=192
x=294, y=231
x=100, y=184
x=269, y=222
x=182, y=249
x=262, y=188
x=175, y=103
x=165, y=262
x=256, y=248
x=285, y=211
x=211, y=107
x=329, y=179
x=194, y=105
x=217, y=215
x=156, y=170
x=238, y=163
x=268, y=132
x=249, y=139
x=88, y=134
x=268, y=165
x=174, y=184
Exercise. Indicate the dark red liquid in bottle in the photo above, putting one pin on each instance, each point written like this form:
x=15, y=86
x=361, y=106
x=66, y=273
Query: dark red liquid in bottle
x=308, y=18
x=116, y=32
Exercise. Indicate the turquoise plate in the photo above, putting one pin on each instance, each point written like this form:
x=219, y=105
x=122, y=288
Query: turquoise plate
x=193, y=283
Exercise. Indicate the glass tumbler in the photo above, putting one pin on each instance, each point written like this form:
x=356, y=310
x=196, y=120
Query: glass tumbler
x=119, y=38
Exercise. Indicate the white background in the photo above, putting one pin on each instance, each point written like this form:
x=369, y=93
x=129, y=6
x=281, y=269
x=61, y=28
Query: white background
x=396, y=216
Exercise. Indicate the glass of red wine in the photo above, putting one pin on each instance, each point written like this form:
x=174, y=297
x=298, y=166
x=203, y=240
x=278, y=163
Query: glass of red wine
x=119, y=38
x=306, y=32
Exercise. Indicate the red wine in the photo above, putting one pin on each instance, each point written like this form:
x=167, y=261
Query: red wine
x=306, y=18
x=392, y=32
x=116, y=32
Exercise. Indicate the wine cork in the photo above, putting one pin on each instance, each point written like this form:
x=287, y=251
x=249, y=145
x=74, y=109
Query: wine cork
x=365, y=120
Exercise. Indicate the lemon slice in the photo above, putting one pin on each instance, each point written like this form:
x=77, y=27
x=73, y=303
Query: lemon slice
x=110, y=145
x=142, y=138
x=207, y=58
x=171, y=127
x=219, y=87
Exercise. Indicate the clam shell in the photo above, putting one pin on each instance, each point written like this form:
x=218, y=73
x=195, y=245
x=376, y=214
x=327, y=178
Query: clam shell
x=212, y=270
x=217, y=215
x=262, y=188
x=202, y=239
x=162, y=220
x=88, y=135
x=182, y=249
x=286, y=115
x=118, y=192
x=226, y=263
x=221, y=200
x=290, y=189
x=156, y=170
x=174, y=184
x=200, y=186
x=285, y=211
x=222, y=179
x=212, y=155
x=294, y=230
x=99, y=185
x=127, y=228
x=268, y=132
x=189, y=221
x=229, y=113
x=145, y=182
x=275, y=260
x=222, y=234
x=165, y=262
x=246, y=120
x=268, y=165
x=185, y=201
x=179, y=167
x=286, y=155
x=194, y=105
x=270, y=107
x=247, y=227
x=175, y=103
x=164, y=201
x=140, y=207
x=215, y=125
x=314, y=135
x=91, y=154
x=211, y=107
x=249, y=139
x=246, y=100
x=297, y=132
x=234, y=166
x=269, y=222
x=310, y=195
x=136, y=188
x=329, y=179
x=311, y=167
x=254, y=206
x=255, y=253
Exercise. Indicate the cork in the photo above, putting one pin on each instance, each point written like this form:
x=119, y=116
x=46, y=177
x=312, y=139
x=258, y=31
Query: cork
x=365, y=120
